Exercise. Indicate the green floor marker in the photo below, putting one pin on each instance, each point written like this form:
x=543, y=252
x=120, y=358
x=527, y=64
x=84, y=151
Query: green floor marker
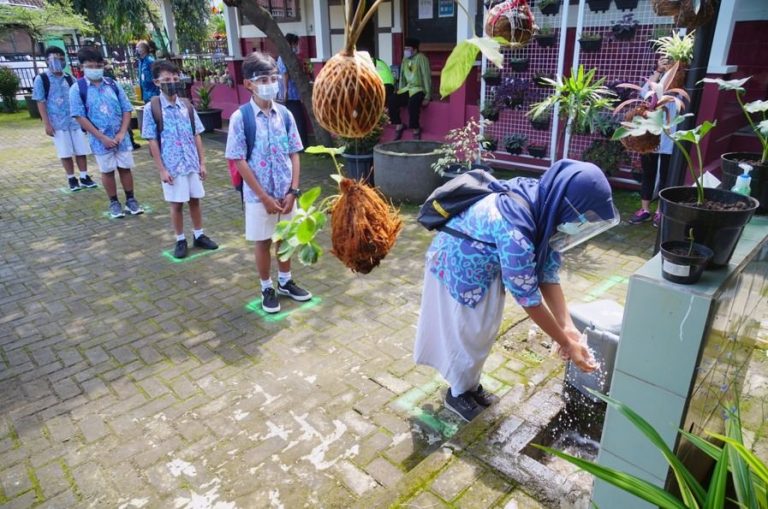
x=67, y=190
x=197, y=254
x=605, y=286
x=255, y=307
x=147, y=210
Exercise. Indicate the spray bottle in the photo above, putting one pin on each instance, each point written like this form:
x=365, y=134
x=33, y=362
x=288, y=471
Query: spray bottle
x=743, y=181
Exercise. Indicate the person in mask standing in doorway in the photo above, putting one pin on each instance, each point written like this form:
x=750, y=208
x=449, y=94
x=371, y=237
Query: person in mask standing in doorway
x=289, y=93
x=414, y=89
x=51, y=91
x=264, y=143
x=509, y=241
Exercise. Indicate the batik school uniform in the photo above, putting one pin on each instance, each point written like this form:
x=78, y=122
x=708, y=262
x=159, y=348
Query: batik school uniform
x=68, y=137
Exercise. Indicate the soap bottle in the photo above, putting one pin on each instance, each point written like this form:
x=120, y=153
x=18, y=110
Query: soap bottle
x=743, y=181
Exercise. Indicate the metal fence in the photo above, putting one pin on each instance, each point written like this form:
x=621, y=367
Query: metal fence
x=25, y=70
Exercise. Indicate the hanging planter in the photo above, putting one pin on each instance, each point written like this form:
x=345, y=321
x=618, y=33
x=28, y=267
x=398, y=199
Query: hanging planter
x=541, y=123
x=599, y=5
x=666, y=7
x=519, y=64
x=591, y=43
x=625, y=28
x=492, y=77
x=490, y=113
x=515, y=143
x=539, y=151
x=645, y=143
x=550, y=7
x=545, y=37
x=684, y=262
x=512, y=20
x=626, y=5
x=688, y=17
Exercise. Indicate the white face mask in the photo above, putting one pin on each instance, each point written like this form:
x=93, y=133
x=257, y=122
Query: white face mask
x=408, y=53
x=94, y=74
x=267, y=92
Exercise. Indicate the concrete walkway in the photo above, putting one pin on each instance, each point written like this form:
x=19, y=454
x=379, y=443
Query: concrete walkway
x=128, y=379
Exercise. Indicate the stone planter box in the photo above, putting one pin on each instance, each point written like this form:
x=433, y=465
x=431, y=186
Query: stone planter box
x=403, y=169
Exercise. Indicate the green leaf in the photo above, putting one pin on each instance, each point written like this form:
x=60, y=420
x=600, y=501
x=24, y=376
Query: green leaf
x=694, y=135
x=490, y=48
x=763, y=127
x=742, y=479
x=755, y=464
x=320, y=219
x=457, y=67
x=320, y=149
x=308, y=255
x=337, y=178
x=629, y=483
x=285, y=252
x=736, y=85
x=306, y=230
x=281, y=228
x=308, y=198
x=756, y=107
x=716, y=494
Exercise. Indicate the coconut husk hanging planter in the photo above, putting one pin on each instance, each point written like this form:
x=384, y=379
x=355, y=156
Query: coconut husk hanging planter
x=641, y=144
x=688, y=17
x=511, y=20
x=348, y=94
x=666, y=7
x=678, y=80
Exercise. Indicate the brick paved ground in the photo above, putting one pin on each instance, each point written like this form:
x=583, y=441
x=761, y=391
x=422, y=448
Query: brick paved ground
x=128, y=380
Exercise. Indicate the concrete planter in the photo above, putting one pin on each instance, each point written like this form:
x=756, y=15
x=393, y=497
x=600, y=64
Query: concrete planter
x=32, y=106
x=403, y=169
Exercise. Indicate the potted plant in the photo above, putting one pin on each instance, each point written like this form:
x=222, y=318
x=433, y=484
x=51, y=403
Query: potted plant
x=545, y=37
x=678, y=49
x=539, y=151
x=210, y=117
x=756, y=113
x=626, y=5
x=358, y=153
x=515, y=143
x=492, y=76
x=490, y=111
x=717, y=216
x=512, y=92
x=540, y=78
x=684, y=262
x=464, y=149
x=590, y=42
x=490, y=143
x=550, y=7
x=599, y=5
x=519, y=64
x=9, y=87
x=625, y=28
x=541, y=123
x=608, y=155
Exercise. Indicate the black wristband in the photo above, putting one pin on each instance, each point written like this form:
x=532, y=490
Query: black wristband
x=295, y=192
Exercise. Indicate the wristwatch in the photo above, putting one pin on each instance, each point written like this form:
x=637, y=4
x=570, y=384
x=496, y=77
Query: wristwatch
x=295, y=192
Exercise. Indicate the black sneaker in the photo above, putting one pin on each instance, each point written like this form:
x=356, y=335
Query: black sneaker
x=87, y=182
x=293, y=291
x=483, y=397
x=269, y=301
x=205, y=242
x=136, y=146
x=74, y=185
x=463, y=405
x=180, y=251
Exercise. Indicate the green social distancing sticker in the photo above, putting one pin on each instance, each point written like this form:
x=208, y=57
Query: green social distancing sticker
x=255, y=307
x=194, y=253
x=148, y=209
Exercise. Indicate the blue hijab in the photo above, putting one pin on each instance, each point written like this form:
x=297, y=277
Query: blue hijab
x=537, y=207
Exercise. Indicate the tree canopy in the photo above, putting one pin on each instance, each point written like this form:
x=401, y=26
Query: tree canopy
x=53, y=18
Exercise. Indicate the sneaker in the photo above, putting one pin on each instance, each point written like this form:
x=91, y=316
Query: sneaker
x=74, y=185
x=483, y=397
x=641, y=216
x=136, y=146
x=463, y=405
x=180, y=251
x=269, y=301
x=656, y=219
x=115, y=209
x=293, y=291
x=87, y=182
x=132, y=206
x=204, y=242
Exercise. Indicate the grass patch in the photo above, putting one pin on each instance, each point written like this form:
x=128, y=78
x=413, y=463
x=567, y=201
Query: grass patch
x=21, y=116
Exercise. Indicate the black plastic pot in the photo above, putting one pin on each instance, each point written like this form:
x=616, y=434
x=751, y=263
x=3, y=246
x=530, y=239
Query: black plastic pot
x=359, y=167
x=519, y=65
x=515, y=151
x=537, y=150
x=540, y=124
x=545, y=41
x=513, y=102
x=599, y=5
x=492, y=80
x=626, y=5
x=551, y=9
x=491, y=145
x=624, y=34
x=719, y=230
x=591, y=45
x=682, y=268
x=492, y=116
x=729, y=163
x=211, y=119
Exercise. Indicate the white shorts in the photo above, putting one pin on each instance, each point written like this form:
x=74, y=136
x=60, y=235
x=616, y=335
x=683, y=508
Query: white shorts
x=259, y=225
x=70, y=143
x=183, y=188
x=113, y=160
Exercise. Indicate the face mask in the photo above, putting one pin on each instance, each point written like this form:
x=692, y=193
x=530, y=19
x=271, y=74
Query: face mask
x=55, y=65
x=94, y=74
x=171, y=89
x=408, y=53
x=267, y=92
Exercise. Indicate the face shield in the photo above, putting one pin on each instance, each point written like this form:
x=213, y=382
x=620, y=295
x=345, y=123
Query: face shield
x=587, y=225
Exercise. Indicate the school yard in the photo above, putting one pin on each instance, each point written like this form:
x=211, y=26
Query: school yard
x=128, y=379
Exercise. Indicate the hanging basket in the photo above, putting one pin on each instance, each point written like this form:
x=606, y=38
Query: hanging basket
x=640, y=144
x=511, y=20
x=666, y=7
x=678, y=80
x=687, y=16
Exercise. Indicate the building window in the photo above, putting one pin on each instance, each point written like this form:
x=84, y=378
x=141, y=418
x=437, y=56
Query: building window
x=281, y=10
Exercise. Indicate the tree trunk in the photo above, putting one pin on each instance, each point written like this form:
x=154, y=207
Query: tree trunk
x=264, y=21
x=155, y=23
x=34, y=54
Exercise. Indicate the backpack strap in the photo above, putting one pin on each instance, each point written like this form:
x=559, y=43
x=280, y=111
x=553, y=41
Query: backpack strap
x=157, y=115
x=70, y=79
x=46, y=84
x=82, y=85
x=249, y=128
x=191, y=112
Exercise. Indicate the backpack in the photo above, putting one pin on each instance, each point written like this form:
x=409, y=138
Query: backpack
x=82, y=85
x=454, y=197
x=249, y=128
x=157, y=115
x=47, y=82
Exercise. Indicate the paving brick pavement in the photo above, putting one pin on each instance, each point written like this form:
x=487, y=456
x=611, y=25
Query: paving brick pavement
x=129, y=380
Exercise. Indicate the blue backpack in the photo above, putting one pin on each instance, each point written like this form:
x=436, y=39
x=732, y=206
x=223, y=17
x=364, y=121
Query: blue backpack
x=82, y=85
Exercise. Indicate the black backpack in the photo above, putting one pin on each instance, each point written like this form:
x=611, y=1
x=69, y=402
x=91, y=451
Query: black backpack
x=453, y=198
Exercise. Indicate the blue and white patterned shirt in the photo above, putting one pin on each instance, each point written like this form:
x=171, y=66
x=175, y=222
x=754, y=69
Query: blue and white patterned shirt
x=105, y=111
x=177, y=143
x=270, y=160
x=57, y=102
x=468, y=268
x=148, y=87
x=293, y=91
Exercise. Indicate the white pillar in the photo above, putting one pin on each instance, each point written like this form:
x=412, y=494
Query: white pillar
x=166, y=9
x=721, y=44
x=232, y=23
x=322, y=30
x=465, y=21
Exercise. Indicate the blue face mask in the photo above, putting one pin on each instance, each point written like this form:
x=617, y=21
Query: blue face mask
x=94, y=74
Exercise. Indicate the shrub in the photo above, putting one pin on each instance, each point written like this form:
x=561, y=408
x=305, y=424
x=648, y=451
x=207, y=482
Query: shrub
x=9, y=87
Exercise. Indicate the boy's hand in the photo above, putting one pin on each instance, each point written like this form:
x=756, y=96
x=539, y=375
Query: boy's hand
x=119, y=138
x=166, y=177
x=203, y=172
x=107, y=141
x=271, y=205
x=49, y=130
x=580, y=355
x=288, y=202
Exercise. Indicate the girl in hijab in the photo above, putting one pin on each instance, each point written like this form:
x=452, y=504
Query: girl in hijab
x=514, y=242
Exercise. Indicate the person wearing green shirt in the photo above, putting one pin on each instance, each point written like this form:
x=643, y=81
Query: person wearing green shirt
x=384, y=72
x=414, y=89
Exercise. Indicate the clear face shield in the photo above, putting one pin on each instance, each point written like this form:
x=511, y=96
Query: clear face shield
x=587, y=225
